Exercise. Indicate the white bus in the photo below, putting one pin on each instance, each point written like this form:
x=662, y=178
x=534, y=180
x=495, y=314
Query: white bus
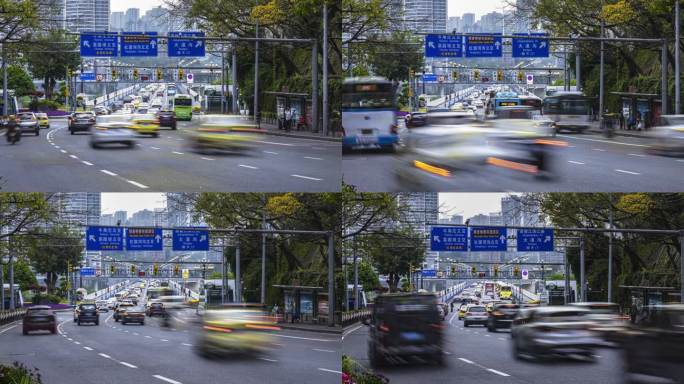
x=568, y=111
x=369, y=111
x=18, y=298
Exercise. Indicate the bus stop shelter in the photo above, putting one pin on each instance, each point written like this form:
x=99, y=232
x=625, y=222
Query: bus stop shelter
x=646, y=106
x=303, y=304
x=300, y=106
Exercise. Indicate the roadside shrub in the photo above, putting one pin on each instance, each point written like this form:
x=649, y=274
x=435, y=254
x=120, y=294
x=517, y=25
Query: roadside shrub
x=17, y=373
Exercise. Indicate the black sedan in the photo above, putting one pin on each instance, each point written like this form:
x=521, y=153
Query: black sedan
x=39, y=317
x=81, y=121
x=167, y=118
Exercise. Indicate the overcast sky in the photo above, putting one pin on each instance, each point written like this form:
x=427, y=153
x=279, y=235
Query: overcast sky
x=143, y=5
x=469, y=204
x=479, y=7
x=131, y=202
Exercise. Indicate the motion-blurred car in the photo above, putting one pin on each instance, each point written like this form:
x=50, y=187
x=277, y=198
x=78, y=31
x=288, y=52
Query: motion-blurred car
x=167, y=118
x=609, y=321
x=132, y=314
x=669, y=136
x=28, y=122
x=553, y=330
x=43, y=120
x=112, y=129
x=462, y=311
x=121, y=308
x=101, y=110
x=221, y=134
x=501, y=316
x=416, y=119
x=155, y=309
x=653, y=347
x=102, y=306
x=87, y=313
x=39, y=317
x=475, y=314
x=238, y=328
x=80, y=121
x=144, y=124
x=405, y=325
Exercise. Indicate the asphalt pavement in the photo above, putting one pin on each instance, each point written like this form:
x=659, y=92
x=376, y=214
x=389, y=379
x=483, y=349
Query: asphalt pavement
x=474, y=355
x=58, y=161
x=115, y=353
x=589, y=163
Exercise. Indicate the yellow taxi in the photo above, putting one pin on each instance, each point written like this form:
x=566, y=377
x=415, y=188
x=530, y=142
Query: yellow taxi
x=43, y=121
x=462, y=311
x=222, y=133
x=145, y=124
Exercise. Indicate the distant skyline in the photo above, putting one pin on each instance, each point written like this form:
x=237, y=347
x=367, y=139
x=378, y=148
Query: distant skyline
x=131, y=202
x=469, y=204
x=143, y=5
x=479, y=8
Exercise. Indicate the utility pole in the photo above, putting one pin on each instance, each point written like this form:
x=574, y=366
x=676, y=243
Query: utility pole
x=223, y=81
x=4, y=82
x=263, y=253
x=238, y=286
x=256, y=74
x=583, y=291
x=610, y=251
x=677, y=69
x=578, y=71
x=325, y=69
x=233, y=78
x=601, y=71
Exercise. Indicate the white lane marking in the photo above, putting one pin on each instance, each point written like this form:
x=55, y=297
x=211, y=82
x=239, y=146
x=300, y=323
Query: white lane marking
x=312, y=158
x=155, y=148
x=126, y=331
x=108, y=172
x=274, y=143
x=575, y=162
x=169, y=137
x=129, y=365
x=148, y=337
x=447, y=353
x=681, y=161
x=178, y=153
x=627, y=172
x=105, y=355
x=330, y=370
x=488, y=335
x=8, y=328
x=135, y=333
x=502, y=339
x=323, y=350
x=604, y=141
x=73, y=156
x=179, y=139
x=498, y=372
x=87, y=348
x=305, y=338
x=142, y=186
x=70, y=339
x=265, y=359
x=271, y=152
x=465, y=360
x=86, y=162
x=636, y=154
x=163, y=339
x=178, y=319
x=598, y=149
x=160, y=377
x=207, y=158
x=306, y=177
x=77, y=343
x=63, y=151
x=186, y=344
x=57, y=146
x=352, y=330
x=247, y=166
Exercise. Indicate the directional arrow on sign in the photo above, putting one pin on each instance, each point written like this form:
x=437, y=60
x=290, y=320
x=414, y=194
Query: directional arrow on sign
x=547, y=239
x=203, y=238
x=158, y=238
x=497, y=45
x=198, y=44
x=502, y=238
x=436, y=238
x=542, y=44
x=91, y=238
x=86, y=43
x=431, y=44
x=153, y=43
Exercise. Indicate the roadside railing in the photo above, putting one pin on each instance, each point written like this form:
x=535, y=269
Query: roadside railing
x=8, y=316
x=349, y=317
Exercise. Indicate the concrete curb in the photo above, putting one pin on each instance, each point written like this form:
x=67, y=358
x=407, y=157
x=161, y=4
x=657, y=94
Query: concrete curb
x=328, y=330
x=623, y=133
x=293, y=135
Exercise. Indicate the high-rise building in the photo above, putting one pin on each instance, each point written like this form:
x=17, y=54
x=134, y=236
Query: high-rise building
x=107, y=219
x=78, y=210
x=425, y=15
x=520, y=211
x=120, y=217
x=132, y=20
x=422, y=208
x=160, y=217
x=116, y=22
x=87, y=15
x=51, y=14
x=142, y=218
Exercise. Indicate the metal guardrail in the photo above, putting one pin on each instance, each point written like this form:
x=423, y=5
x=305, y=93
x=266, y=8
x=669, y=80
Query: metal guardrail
x=346, y=318
x=8, y=316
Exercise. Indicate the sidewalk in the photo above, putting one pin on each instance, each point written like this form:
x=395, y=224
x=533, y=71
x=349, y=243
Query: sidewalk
x=320, y=328
x=648, y=134
x=270, y=129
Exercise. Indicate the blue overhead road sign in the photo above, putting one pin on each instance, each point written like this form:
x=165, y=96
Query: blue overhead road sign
x=186, y=47
x=190, y=240
x=104, y=239
x=527, y=46
x=138, y=44
x=484, y=45
x=87, y=271
x=535, y=240
x=144, y=239
x=428, y=273
x=88, y=76
x=429, y=78
x=443, y=45
x=99, y=44
x=488, y=239
x=449, y=239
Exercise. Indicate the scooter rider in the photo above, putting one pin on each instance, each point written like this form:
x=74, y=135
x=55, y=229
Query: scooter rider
x=13, y=131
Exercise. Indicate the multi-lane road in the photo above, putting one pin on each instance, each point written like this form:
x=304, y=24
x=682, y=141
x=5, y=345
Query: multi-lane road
x=58, y=161
x=589, y=162
x=115, y=353
x=474, y=355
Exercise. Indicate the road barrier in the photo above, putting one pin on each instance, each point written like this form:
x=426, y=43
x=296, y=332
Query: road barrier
x=346, y=318
x=8, y=316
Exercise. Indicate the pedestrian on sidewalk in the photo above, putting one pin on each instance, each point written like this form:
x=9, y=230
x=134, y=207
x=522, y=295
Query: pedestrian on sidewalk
x=288, y=119
x=622, y=120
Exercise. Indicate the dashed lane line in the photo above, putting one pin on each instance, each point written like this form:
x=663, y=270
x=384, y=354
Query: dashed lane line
x=178, y=153
x=86, y=162
x=604, y=141
x=575, y=162
x=186, y=344
x=106, y=356
x=312, y=158
x=305, y=338
x=627, y=172
x=271, y=152
x=63, y=151
x=323, y=350
x=87, y=348
x=247, y=166
x=77, y=343
x=306, y=177
x=155, y=148
x=160, y=377
x=129, y=365
x=74, y=157
x=8, y=328
x=466, y=360
x=110, y=173
x=330, y=370
x=274, y=143
x=267, y=359
x=207, y=158
x=141, y=186
x=498, y=372
x=636, y=154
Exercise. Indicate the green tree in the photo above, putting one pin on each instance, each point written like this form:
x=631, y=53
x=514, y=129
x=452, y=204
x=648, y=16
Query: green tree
x=48, y=58
x=19, y=81
x=368, y=278
x=394, y=253
x=393, y=56
x=23, y=275
x=52, y=252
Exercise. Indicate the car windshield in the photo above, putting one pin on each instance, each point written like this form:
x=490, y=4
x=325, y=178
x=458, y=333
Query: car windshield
x=559, y=317
x=88, y=307
x=83, y=115
x=476, y=309
x=38, y=312
x=26, y=117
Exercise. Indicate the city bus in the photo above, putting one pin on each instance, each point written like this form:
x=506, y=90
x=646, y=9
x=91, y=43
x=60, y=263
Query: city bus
x=18, y=298
x=12, y=105
x=182, y=106
x=568, y=111
x=501, y=100
x=369, y=114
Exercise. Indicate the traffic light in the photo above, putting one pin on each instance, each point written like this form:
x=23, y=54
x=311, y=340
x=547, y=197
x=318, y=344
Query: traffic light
x=453, y=270
x=112, y=269
x=133, y=269
x=159, y=74
x=155, y=269
x=473, y=270
x=454, y=75
x=521, y=76
x=499, y=75
x=135, y=73
x=180, y=74
x=476, y=75
x=496, y=271
x=113, y=73
x=176, y=269
x=412, y=73
x=516, y=271
x=70, y=72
